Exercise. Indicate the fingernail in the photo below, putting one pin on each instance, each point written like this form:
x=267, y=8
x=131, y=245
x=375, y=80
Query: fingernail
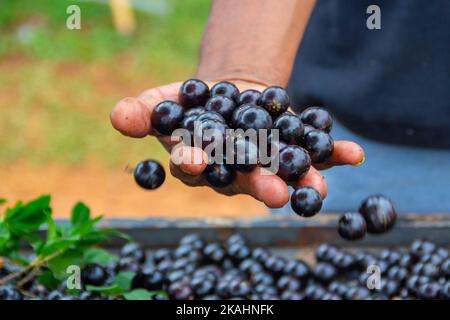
x=361, y=162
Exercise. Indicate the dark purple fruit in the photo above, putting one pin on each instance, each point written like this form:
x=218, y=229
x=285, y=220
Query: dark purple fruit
x=294, y=163
x=290, y=128
x=445, y=268
x=210, y=115
x=236, y=238
x=275, y=100
x=193, y=240
x=180, y=290
x=252, y=117
x=260, y=254
x=379, y=213
x=319, y=144
x=306, y=202
x=352, y=226
x=429, y=291
x=148, y=279
x=193, y=93
x=245, y=155
x=249, y=96
x=210, y=132
x=317, y=117
x=357, y=293
x=133, y=250
x=421, y=248
x=196, y=111
x=324, y=272
x=222, y=105
x=314, y=292
x=225, y=88
x=149, y=174
x=250, y=266
x=166, y=117
x=275, y=265
x=298, y=269
x=237, y=113
x=214, y=253
x=93, y=274
x=326, y=252
x=160, y=255
x=127, y=264
x=288, y=283
x=202, y=286
x=219, y=175
x=238, y=252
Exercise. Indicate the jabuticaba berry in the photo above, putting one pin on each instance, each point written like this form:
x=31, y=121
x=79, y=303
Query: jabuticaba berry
x=306, y=202
x=150, y=279
x=294, y=163
x=133, y=250
x=379, y=213
x=352, y=226
x=249, y=96
x=214, y=253
x=210, y=131
x=219, y=175
x=324, y=272
x=225, y=88
x=193, y=93
x=320, y=145
x=275, y=100
x=317, y=117
x=253, y=117
x=290, y=128
x=149, y=174
x=166, y=117
x=245, y=155
x=196, y=111
x=237, y=112
x=210, y=115
x=193, y=240
x=221, y=104
x=93, y=274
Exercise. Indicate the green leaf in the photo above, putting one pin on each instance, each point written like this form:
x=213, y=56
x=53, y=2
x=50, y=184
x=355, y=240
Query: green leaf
x=99, y=256
x=138, y=294
x=80, y=214
x=48, y=280
x=123, y=280
x=24, y=219
x=84, y=228
x=2, y=201
x=59, y=264
x=53, y=231
x=113, y=289
x=54, y=246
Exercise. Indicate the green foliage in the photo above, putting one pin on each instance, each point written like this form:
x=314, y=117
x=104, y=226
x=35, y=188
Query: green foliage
x=62, y=246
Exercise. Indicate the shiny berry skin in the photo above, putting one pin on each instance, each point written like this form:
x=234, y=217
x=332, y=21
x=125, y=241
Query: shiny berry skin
x=326, y=252
x=193, y=240
x=188, y=123
x=260, y=254
x=238, y=252
x=420, y=248
x=225, y=88
x=275, y=100
x=180, y=290
x=319, y=144
x=253, y=117
x=193, y=93
x=166, y=117
x=236, y=238
x=297, y=269
x=288, y=283
x=294, y=163
x=379, y=213
x=134, y=251
x=429, y=291
x=210, y=115
x=160, y=255
x=317, y=117
x=202, y=286
x=223, y=105
x=398, y=274
x=8, y=292
x=239, y=288
x=148, y=279
x=314, y=292
x=250, y=266
x=209, y=132
x=445, y=291
x=290, y=128
x=149, y=174
x=324, y=272
x=352, y=226
x=245, y=155
x=262, y=278
x=128, y=264
x=357, y=293
x=275, y=265
x=290, y=295
x=237, y=113
x=306, y=202
x=196, y=111
x=219, y=175
x=445, y=268
x=249, y=96
x=344, y=261
x=93, y=274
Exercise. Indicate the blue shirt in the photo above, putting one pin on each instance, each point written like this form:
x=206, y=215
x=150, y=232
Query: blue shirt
x=392, y=84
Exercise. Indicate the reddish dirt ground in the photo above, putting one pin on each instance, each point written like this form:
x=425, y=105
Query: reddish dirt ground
x=114, y=193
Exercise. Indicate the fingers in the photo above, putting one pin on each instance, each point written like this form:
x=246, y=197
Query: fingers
x=187, y=179
x=345, y=152
x=263, y=186
x=314, y=180
x=191, y=161
x=131, y=116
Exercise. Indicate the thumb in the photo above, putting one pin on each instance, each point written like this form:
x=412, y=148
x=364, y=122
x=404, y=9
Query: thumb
x=131, y=116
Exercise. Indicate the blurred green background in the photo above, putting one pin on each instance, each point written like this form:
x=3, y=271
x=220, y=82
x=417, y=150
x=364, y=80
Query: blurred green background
x=57, y=86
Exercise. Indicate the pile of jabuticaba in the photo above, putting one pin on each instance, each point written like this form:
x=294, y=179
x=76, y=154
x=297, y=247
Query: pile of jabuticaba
x=231, y=269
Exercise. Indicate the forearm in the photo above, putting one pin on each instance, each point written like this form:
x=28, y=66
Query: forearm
x=253, y=40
